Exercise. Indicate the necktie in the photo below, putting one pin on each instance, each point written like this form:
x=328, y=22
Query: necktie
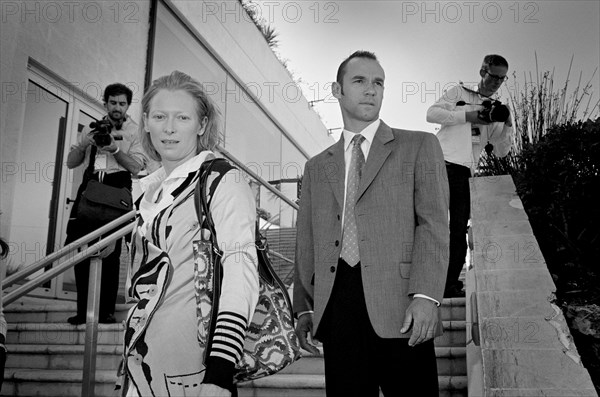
x=350, y=235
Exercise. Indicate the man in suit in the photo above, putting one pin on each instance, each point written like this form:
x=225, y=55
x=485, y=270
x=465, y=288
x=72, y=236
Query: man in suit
x=371, y=255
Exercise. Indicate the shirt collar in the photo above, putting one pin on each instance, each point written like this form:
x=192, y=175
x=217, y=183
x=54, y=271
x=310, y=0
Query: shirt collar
x=182, y=171
x=368, y=132
x=474, y=90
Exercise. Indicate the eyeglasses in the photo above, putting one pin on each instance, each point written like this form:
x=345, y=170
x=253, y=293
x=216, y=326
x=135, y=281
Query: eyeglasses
x=496, y=77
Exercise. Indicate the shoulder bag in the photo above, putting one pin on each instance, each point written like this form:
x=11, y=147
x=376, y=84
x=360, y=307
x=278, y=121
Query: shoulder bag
x=270, y=343
x=100, y=204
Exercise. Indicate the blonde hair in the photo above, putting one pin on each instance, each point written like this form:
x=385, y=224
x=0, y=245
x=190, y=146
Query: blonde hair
x=204, y=106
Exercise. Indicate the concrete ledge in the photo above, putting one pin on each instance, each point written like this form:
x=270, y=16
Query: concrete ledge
x=519, y=343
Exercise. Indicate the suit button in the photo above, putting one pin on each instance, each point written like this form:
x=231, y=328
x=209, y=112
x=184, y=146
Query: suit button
x=339, y=217
x=332, y=269
x=337, y=242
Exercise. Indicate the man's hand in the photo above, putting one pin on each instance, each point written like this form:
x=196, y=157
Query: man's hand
x=88, y=140
x=210, y=390
x=304, y=327
x=112, y=147
x=423, y=314
x=473, y=118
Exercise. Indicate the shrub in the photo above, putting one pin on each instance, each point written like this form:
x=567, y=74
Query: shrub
x=558, y=181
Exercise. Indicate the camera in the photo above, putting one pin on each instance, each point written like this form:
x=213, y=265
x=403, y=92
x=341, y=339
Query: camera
x=493, y=111
x=101, y=130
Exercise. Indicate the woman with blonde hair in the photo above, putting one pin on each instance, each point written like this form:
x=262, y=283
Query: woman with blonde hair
x=163, y=355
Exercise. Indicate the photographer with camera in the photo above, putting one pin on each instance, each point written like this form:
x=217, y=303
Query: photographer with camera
x=471, y=119
x=112, y=152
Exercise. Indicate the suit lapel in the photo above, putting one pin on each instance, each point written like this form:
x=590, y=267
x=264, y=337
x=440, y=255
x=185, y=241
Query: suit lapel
x=335, y=170
x=377, y=156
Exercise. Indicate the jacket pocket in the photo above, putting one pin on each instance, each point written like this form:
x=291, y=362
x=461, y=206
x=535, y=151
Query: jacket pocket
x=405, y=269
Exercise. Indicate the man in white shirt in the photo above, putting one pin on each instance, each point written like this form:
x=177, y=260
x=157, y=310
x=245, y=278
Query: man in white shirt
x=117, y=155
x=466, y=128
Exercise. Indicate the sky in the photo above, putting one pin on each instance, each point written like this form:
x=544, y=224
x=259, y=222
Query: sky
x=426, y=47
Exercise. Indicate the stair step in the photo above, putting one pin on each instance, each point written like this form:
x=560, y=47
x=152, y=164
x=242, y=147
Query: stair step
x=57, y=312
x=111, y=334
x=285, y=385
x=68, y=384
x=450, y=361
x=32, y=312
x=60, y=357
x=453, y=309
x=61, y=334
x=48, y=383
x=455, y=334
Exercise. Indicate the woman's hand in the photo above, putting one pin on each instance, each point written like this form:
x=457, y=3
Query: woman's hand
x=210, y=390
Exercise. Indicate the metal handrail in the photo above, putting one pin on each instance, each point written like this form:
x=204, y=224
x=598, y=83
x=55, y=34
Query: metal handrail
x=257, y=177
x=107, y=234
x=59, y=269
x=278, y=255
x=45, y=261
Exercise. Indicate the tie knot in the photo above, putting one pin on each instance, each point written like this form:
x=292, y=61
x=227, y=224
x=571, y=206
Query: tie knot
x=358, y=139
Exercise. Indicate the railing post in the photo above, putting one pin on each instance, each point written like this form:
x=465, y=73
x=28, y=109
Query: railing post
x=91, y=328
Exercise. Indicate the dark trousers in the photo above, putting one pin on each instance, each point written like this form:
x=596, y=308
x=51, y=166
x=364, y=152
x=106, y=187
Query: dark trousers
x=357, y=361
x=460, y=209
x=111, y=265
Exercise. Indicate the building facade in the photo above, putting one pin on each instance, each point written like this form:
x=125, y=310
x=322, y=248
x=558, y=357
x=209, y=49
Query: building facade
x=57, y=57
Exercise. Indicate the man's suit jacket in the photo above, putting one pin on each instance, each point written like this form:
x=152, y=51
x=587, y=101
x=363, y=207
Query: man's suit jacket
x=402, y=220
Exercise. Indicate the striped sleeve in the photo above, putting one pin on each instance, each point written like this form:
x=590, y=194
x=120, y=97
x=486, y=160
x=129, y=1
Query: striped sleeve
x=228, y=340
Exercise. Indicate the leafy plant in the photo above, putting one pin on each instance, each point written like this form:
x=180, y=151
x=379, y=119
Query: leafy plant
x=267, y=31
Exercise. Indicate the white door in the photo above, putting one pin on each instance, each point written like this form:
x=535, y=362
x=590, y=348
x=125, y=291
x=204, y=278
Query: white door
x=40, y=210
x=83, y=115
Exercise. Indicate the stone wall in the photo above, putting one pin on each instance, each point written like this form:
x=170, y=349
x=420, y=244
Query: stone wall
x=518, y=342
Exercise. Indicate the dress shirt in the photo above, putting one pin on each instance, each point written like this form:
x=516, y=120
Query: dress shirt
x=458, y=144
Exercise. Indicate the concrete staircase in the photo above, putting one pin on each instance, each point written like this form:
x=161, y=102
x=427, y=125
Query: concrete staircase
x=46, y=356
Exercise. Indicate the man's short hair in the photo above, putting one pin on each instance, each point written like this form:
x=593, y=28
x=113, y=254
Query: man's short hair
x=493, y=60
x=357, y=54
x=117, y=89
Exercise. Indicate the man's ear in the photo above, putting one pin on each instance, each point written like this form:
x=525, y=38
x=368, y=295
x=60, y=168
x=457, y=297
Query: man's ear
x=336, y=90
x=482, y=73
